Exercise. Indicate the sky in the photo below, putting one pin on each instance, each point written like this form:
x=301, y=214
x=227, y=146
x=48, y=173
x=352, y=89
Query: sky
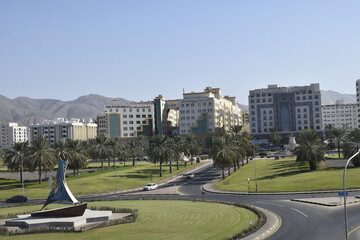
x=138, y=49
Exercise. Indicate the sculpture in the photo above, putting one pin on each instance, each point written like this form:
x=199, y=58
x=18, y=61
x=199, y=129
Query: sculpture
x=60, y=193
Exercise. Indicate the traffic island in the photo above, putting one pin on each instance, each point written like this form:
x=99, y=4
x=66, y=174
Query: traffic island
x=91, y=219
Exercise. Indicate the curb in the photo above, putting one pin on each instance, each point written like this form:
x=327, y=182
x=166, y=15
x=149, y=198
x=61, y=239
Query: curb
x=272, y=224
x=211, y=190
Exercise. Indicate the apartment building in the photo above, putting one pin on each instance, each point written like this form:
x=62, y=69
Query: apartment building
x=11, y=133
x=205, y=112
x=62, y=128
x=130, y=119
x=340, y=115
x=358, y=101
x=288, y=109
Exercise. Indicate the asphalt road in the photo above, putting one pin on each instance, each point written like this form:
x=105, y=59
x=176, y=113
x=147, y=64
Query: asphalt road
x=298, y=220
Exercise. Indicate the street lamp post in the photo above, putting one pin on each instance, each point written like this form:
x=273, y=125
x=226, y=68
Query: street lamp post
x=256, y=183
x=344, y=186
x=22, y=176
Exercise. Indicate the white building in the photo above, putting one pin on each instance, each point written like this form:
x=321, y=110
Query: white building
x=358, y=100
x=127, y=119
x=10, y=133
x=288, y=109
x=62, y=128
x=340, y=115
x=204, y=112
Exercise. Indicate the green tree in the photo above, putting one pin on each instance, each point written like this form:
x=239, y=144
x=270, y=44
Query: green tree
x=121, y=151
x=16, y=157
x=136, y=149
x=193, y=147
x=179, y=147
x=41, y=156
x=223, y=153
x=339, y=136
x=101, y=149
x=161, y=151
x=352, y=146
x=61, y=149
x=310, y=148
x=274, y=136
x=76, y=155
x=239, y=145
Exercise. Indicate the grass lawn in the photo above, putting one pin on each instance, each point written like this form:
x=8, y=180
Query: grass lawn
x=161, y=220
x=95, y=182
x=285, y=175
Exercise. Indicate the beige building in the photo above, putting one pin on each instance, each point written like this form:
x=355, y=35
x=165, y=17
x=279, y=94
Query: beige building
x=62, y=128
x=204, y=112
x=340, y=115
x=131, y=119
x=11, y=133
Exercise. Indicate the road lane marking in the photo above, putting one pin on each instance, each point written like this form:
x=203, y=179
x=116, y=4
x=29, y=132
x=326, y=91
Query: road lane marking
x=355, y=229
x=279, y=205
x=299, y=212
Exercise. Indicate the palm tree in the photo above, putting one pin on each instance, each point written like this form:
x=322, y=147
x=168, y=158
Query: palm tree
x=310, y=148
x=162, y=151
x=41, y=156
x=76, y=155
x=193, y=147
x=179, y=147
x=352, y=146
x=339, y=135
x=237, y=138
x=135, y=149
x=15, y=157
x=328, y=131
x=101, y=150
x=274, y=137
x=121, y=150
x=222, y=153
x=61, y=149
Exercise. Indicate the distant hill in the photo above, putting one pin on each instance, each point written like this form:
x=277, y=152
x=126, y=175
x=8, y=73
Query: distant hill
x=26, y=110
x=330, y=97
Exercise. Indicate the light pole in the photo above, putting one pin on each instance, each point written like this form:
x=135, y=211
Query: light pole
x=256, y=184
x=344, y=185
x=22, y=175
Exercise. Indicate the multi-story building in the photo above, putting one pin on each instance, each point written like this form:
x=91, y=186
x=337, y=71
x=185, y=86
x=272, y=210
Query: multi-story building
x=340, y=115
x=11, y=133
x=167, y=118
x=62, y=128
x=358, y=100
x=288, y=109
x=204, y=112
x=130, y=119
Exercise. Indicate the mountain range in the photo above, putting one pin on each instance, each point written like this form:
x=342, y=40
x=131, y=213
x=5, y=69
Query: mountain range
x=26, y=110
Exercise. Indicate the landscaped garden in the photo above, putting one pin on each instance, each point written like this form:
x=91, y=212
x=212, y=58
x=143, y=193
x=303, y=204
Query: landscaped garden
x=160, y=219
x=284, y=175
x=108, y=180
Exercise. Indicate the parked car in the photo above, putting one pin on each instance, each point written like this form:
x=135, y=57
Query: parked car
x=151, y=186
x=17, y=198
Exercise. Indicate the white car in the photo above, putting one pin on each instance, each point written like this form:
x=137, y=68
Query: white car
x=151, y=186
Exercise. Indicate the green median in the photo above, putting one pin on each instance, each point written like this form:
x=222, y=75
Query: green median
x=287, y=175
x=98, y=181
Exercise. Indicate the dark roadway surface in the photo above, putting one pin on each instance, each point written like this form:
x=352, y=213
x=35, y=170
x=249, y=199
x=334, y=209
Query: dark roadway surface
x=298, y=220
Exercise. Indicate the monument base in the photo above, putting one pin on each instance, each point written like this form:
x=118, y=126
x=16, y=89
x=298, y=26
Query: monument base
x=89, y=216
x=71, y=211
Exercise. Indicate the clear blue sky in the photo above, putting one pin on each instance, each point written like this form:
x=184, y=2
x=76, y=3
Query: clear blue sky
x=139, y=49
